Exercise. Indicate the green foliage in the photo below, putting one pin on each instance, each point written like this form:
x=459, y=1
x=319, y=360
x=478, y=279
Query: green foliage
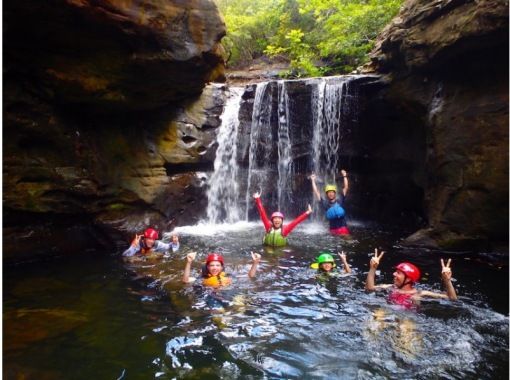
x=316, y=36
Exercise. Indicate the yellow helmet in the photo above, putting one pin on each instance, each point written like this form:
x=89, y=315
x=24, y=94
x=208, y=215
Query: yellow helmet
x=330, y=188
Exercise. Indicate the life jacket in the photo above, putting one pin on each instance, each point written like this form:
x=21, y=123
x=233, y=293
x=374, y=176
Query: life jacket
x=215, y=281
x=402, y=299
x=274, y=238
x=335, y=211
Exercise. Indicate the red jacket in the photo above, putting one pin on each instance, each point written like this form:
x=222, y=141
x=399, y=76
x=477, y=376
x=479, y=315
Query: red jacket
x=267, y=223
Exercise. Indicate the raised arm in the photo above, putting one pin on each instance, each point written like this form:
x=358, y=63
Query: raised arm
x=289, y=227
x=134, y=247
x=187, y=268
x=262, y=212
x=314, y=187
x=374, y=263
x=345, y=189
x=256, y=259
x=446, y=275
x=343, y=257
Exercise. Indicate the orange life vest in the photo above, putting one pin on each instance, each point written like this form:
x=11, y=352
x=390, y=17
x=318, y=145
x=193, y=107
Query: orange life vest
x=216, y=281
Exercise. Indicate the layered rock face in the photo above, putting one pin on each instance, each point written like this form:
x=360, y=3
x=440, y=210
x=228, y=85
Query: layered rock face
x=107, y=125
x=446, y=64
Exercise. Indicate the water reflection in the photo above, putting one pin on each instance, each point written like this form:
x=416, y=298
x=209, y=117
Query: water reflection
x=139, y=321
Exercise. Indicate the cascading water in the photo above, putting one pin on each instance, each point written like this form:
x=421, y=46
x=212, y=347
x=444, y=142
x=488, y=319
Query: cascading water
x=284, y=149
x=328, y=105
x=259, y=151
x=223, y=192
x=271, y=164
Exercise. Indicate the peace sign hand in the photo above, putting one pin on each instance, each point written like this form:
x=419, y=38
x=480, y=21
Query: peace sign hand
x=342, y=256
x=446, y=271
x=256, y=195
x=136, y=240
x=374, y=261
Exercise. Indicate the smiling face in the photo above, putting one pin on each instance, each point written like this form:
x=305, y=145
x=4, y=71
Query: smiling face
x=175, y=239
x=277, y=222
x=326, y=267
x=214, y=268
x=331, y=195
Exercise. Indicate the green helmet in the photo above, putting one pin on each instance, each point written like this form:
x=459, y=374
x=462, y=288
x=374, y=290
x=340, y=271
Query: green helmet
x=325, y=258
x=330, y=188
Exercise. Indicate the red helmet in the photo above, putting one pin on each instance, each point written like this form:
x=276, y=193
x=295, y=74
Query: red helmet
x=151, y=233
x=214, y=257
x=410, y=270
x=276, y=214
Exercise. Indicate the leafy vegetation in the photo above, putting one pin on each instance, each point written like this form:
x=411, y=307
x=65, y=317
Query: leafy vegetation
x=316, y=37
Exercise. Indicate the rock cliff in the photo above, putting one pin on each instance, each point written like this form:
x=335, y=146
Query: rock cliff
x=446, y=67
x=108, y=122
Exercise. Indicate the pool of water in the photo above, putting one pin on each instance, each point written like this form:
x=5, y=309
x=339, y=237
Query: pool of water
x=94, y=316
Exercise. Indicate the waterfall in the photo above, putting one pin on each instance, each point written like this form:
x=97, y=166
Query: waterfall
x=259, y=152
x=284, y=150
x=328, y=105
x=223, y=191
x=273, y=151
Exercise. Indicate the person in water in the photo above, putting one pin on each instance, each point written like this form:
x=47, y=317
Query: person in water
x=146, y=245
x=325, y=263
x=276, y=232
x=174, y=243
x=405, y=277
x=333, y=204
x=213, y=272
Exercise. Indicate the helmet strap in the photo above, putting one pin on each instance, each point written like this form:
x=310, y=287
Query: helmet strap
x=405, y=282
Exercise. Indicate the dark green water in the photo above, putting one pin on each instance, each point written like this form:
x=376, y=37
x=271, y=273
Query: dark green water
x=84, y=317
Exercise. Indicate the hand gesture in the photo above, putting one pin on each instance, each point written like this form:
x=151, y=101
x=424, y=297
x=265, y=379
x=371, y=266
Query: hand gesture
x=374, y=261
x=309, y=211
x=446, y=271
x=191, y=256
x=136, y=240
x=256, y=257
x=313, y=177
x=343, y=173
x=256, y=195
x=343, y=256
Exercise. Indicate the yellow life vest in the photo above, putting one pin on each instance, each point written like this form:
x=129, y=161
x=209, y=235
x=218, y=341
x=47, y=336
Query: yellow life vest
x=216, y=281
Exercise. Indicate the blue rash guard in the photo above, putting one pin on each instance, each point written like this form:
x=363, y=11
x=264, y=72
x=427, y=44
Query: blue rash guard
x=336, y=222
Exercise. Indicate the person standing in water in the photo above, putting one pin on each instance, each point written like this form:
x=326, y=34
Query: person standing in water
x=333, y=204
x=276, y=232
x=402, y=291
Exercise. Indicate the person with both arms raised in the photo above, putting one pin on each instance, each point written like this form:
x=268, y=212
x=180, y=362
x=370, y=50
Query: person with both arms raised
x=406, y=275
x=333, y=204
x=276, y=232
